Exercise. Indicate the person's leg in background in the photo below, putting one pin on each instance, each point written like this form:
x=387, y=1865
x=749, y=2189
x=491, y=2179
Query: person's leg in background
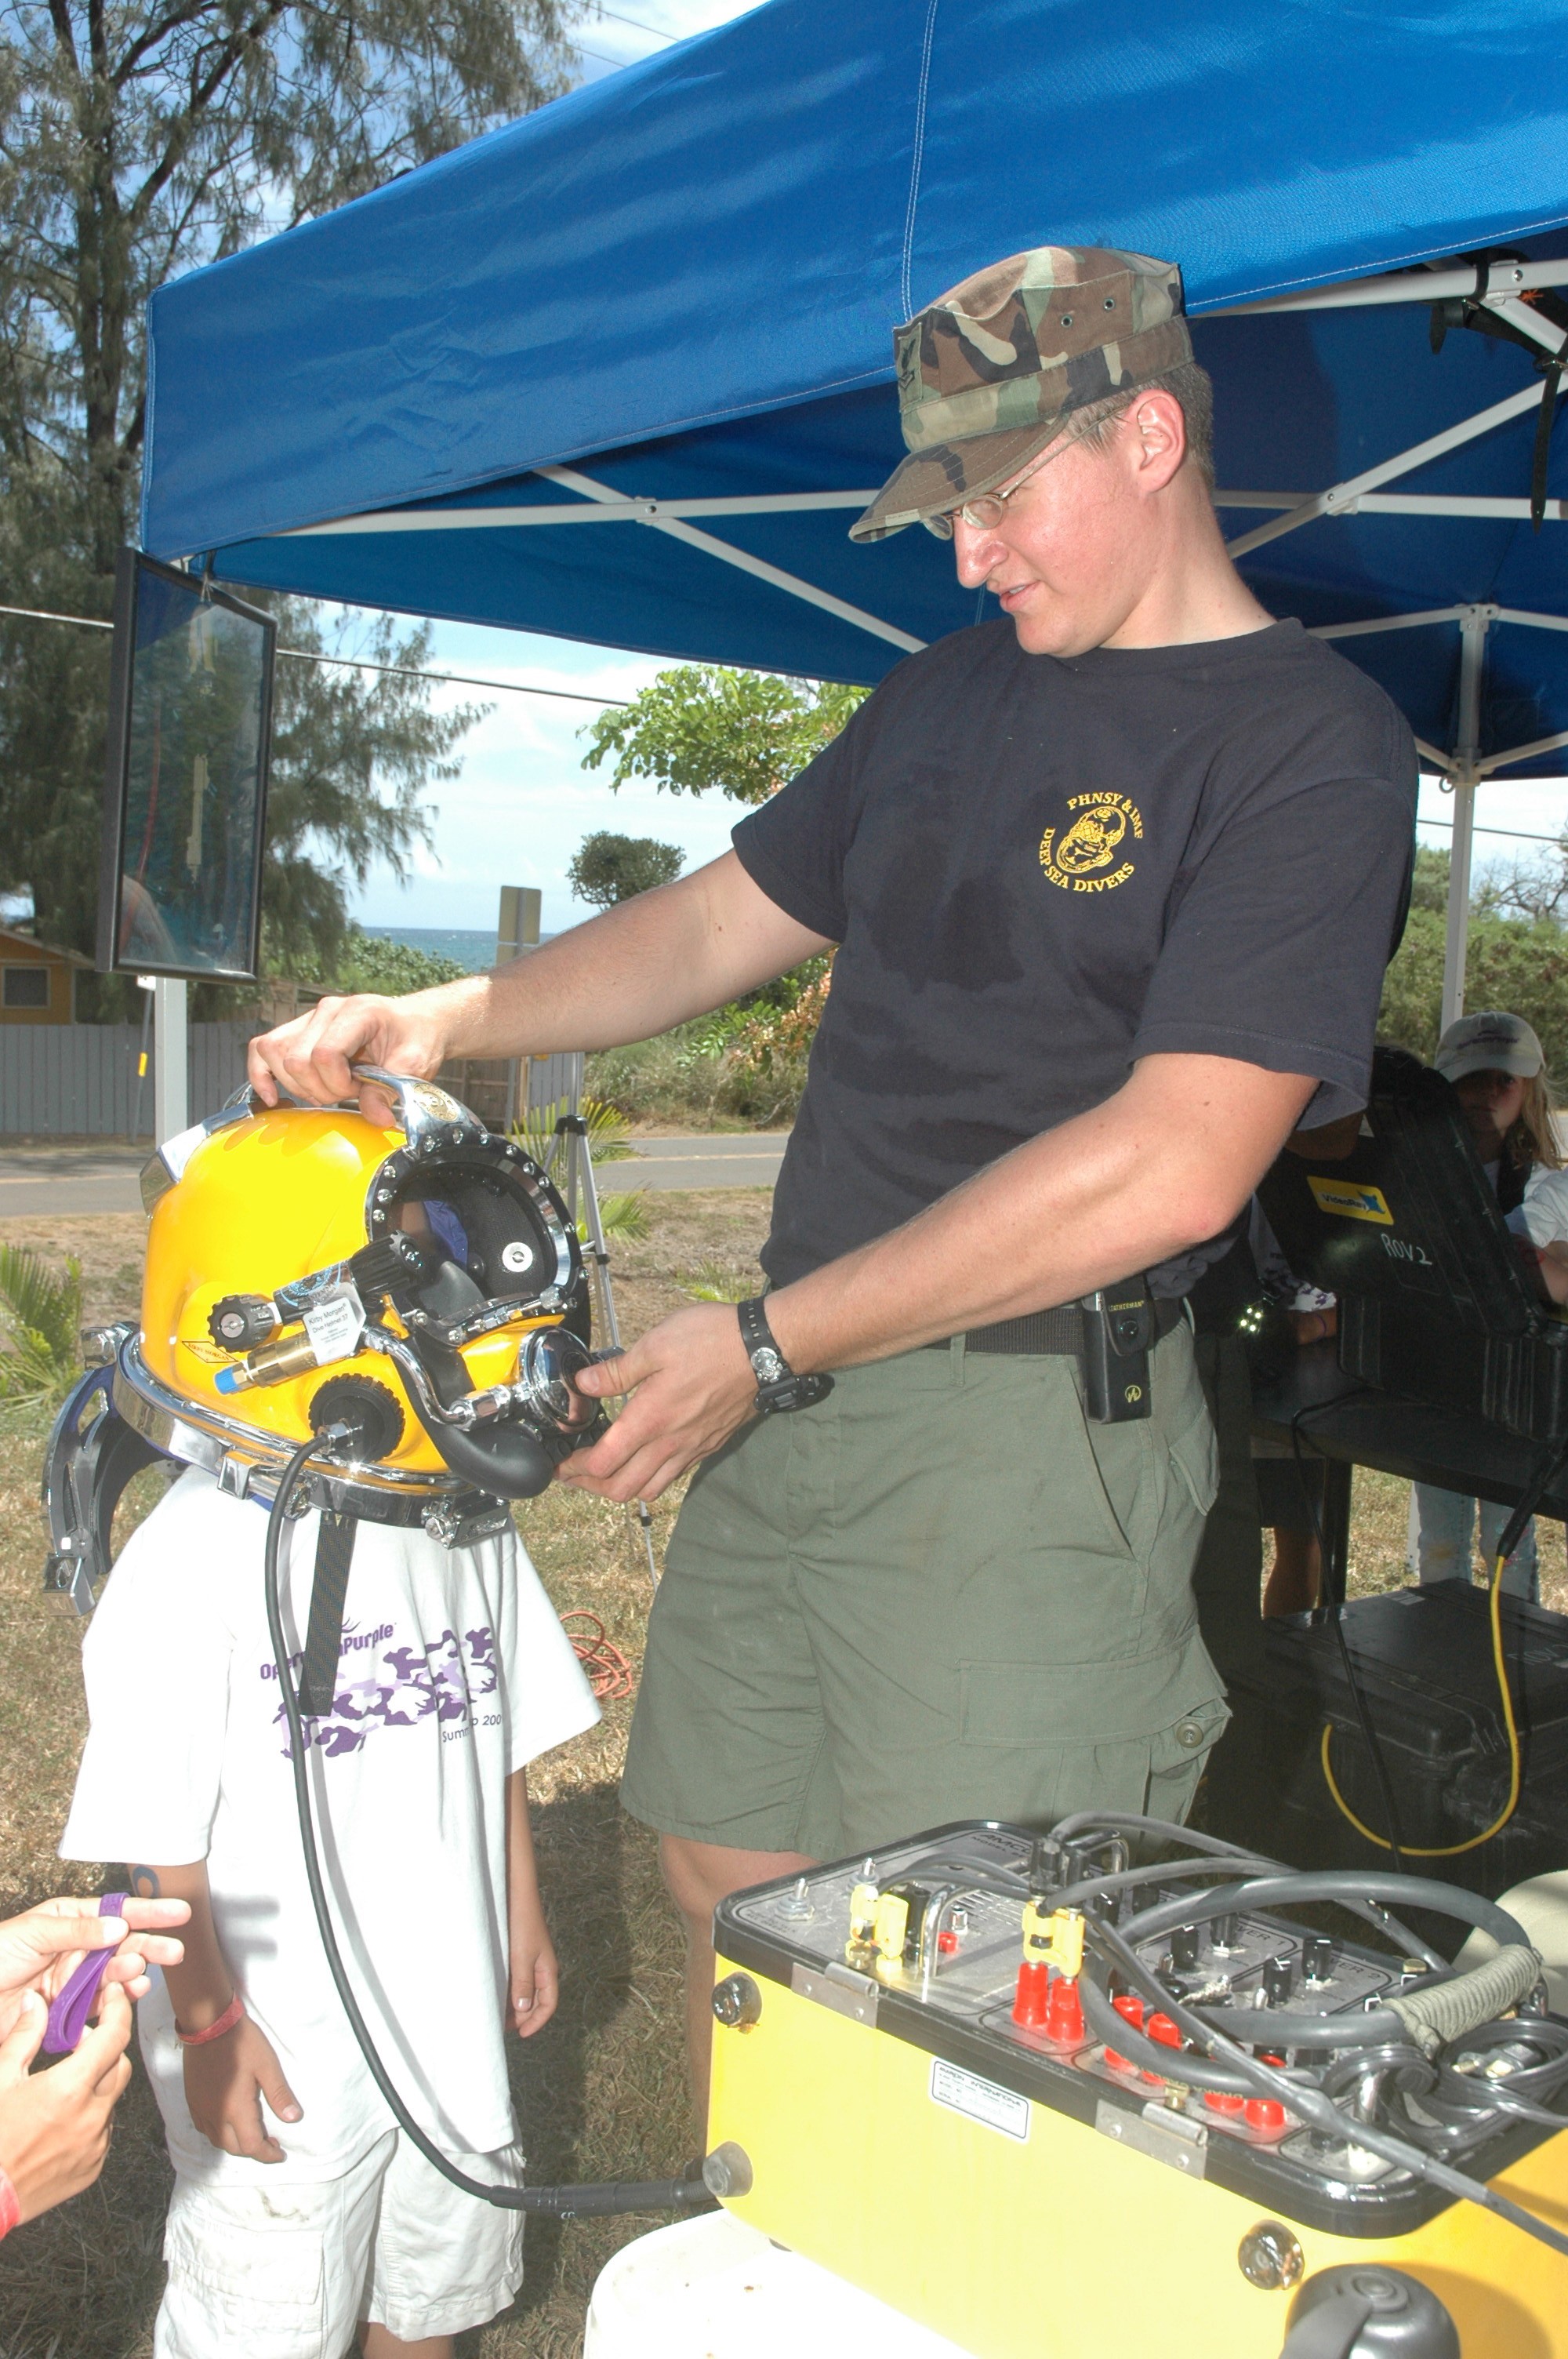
x=1289, y=1502
x=1446, y=1529
x=1522, y=1574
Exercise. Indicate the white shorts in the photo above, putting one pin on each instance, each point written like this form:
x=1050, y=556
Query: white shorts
x=259, y=2271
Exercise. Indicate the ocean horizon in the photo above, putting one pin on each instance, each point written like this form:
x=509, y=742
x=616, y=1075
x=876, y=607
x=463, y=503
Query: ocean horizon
x=473, y=947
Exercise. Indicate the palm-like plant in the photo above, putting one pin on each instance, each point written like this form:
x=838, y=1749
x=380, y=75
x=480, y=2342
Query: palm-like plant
x=609, y=1132
x=623, y=1214
x=40, y=1314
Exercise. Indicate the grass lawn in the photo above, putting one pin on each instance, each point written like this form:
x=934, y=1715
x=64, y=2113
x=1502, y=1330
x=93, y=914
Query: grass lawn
x=602, y=2091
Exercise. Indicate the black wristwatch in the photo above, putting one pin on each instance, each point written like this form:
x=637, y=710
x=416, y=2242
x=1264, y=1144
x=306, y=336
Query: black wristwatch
x=779, y=1390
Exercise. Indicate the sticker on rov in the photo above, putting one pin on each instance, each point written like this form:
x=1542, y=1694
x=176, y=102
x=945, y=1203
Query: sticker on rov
x=980, y=2101
x=1353, y=1200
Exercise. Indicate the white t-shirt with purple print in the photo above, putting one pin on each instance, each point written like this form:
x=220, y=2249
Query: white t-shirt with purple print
x=454, y=1672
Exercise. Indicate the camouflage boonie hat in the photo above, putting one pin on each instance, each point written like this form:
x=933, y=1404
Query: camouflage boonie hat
x=995, y=370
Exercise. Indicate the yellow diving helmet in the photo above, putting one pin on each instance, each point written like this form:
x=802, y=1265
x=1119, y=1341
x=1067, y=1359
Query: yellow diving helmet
x=416, y=1296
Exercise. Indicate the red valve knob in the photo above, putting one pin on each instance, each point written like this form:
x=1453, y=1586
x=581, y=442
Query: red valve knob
x=1222, y=2101
x=1034, y=1996
x=1130, y=2009
x=1160, y=2027
x=1064, y=2013
x=1264, y=2114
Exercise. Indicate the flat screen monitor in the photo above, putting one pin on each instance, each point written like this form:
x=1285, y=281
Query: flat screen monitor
x=185, y=790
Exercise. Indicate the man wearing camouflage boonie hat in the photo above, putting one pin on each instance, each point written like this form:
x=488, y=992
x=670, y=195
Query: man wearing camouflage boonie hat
x=1018, y=358
x=1113, y=880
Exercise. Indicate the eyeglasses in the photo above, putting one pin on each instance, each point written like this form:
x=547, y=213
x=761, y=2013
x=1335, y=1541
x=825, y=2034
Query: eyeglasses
x=985, y=512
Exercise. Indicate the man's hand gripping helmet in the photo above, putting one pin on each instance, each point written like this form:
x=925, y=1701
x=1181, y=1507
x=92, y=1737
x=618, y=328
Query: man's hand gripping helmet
x=416, y=1294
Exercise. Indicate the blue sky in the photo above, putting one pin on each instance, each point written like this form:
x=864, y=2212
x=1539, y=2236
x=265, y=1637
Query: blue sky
x=523, y=802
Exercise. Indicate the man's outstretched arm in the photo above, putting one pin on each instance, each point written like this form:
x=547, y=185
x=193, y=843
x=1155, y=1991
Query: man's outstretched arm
x=653, y=961
x=1166, y=1162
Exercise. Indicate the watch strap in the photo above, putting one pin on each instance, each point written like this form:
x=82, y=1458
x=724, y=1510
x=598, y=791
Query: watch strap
x=779, y=1388
x=762, y=1347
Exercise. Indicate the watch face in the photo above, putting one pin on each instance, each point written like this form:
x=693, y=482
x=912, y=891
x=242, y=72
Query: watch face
x=767, y=1366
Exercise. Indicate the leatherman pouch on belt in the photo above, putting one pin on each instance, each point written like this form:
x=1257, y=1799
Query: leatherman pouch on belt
x=1118, y=1333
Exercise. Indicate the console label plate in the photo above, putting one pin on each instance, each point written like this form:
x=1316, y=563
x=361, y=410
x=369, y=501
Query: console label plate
x=979, y=2100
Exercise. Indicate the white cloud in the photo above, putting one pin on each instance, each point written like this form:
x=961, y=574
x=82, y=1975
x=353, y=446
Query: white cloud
x=523, y=802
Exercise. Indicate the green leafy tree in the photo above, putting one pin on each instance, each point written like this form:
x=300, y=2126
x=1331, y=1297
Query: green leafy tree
x=1510, y=963
x=372, y=962
x=607, y=868
x=701, y=727
x=353, y=755
x=138, y=138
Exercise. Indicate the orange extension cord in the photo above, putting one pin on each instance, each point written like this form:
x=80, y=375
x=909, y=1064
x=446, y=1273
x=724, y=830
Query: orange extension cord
x=610, y=1674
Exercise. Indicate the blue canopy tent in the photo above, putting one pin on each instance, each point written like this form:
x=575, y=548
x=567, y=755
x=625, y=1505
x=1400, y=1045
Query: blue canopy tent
x=661, y=308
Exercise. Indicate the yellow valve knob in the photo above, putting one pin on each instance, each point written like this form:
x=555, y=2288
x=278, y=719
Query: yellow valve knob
x=1067, y=1942
x=891, y=1927
x=1054, y=1937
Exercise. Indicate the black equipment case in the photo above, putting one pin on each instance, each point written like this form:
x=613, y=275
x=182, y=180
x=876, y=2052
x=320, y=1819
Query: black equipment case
x=1435, y=1299
x=1423, y=1659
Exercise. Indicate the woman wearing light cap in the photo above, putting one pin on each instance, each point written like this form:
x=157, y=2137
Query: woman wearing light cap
x=1498, y=1071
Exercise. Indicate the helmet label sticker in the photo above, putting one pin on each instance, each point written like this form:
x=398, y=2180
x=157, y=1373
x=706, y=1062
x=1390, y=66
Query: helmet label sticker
x=335, y=1326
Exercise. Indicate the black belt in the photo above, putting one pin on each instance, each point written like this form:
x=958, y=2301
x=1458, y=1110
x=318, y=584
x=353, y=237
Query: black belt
x=1051, y=1332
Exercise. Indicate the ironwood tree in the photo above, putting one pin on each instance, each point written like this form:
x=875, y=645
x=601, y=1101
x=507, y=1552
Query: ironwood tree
x=137, y=139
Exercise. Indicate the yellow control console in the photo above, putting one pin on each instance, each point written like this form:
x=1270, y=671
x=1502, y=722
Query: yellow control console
x=909, y=2088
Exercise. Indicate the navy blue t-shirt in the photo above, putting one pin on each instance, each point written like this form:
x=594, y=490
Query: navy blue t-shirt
x=1039, y=869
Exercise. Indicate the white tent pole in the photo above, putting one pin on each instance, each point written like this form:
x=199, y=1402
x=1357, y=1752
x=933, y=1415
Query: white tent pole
x=728, y=555
x=1386, y=622
x=612, y=510
x=1474, y=625
x=1467, y=507
x=1505, y=281
x=171, y=1083
x=1338, y=497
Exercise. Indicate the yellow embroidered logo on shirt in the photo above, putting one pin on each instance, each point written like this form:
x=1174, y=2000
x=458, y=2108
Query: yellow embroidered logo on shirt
x=1078, y=856
x=1351, y=1200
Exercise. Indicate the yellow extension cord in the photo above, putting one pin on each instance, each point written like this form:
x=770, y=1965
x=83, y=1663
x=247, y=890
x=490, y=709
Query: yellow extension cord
x=1451, y=1851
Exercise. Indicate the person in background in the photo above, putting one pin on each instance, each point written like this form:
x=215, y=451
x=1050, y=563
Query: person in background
x=54, y=2126
x=1498, y=1071
x=1289, y=1483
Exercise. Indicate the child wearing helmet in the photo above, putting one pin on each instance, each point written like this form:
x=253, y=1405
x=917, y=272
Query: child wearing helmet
x=430, y=1667
x=300, y=2211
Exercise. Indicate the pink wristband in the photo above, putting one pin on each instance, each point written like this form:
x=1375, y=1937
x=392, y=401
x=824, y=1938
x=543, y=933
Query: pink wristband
x=216, y=2028
x=10, y=2208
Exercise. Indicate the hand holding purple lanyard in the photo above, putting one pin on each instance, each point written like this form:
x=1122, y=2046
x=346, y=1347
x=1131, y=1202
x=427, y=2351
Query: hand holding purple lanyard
x=72, y=2005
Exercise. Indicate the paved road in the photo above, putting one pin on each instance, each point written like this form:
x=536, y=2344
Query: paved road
x=742, y=1159
x=36, y=1181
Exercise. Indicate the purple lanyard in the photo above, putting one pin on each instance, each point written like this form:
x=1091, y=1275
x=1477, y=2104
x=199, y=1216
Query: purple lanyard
x=69, y=2011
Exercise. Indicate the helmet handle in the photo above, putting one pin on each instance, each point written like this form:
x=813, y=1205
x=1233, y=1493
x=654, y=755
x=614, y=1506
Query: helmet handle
x=420, y=1106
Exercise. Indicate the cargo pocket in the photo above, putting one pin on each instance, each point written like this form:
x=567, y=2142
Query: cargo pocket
x=233, y=2285
x=1176, y=1760
x=1194, y=1454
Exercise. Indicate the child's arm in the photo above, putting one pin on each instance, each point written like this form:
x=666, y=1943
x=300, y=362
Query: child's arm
x=535, y=1978
x=1554, y=1268
x=226, y=2078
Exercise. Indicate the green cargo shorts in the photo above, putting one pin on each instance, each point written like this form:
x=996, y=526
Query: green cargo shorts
x=941, y=1593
